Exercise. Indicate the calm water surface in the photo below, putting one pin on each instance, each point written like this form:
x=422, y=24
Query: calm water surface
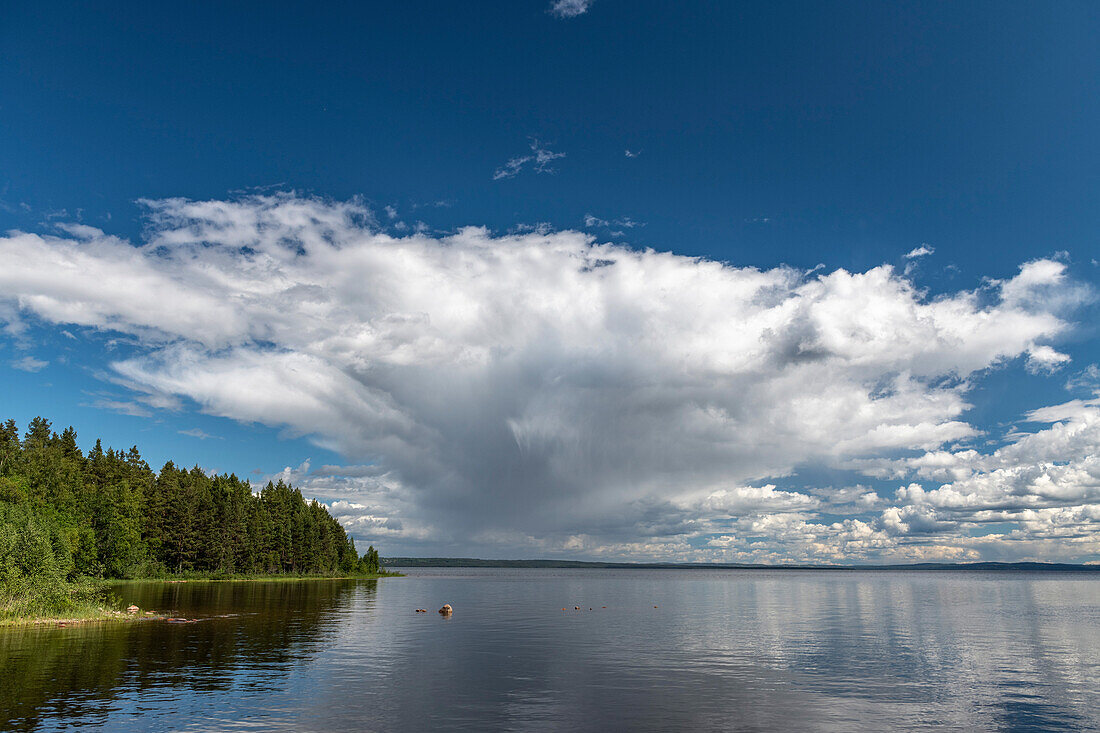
x=722, y=650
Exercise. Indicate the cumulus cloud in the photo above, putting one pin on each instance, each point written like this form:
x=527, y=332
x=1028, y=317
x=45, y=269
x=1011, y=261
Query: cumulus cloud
x=751, y=500
x=1038, y=495
x=1043, y=359
x=1055, y=466
x=547, y=389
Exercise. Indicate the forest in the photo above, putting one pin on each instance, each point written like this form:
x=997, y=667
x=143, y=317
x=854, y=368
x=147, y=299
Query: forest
x=67, y=517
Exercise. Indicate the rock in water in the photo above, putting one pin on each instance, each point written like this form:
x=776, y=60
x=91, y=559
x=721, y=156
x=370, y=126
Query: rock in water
x=446, y=610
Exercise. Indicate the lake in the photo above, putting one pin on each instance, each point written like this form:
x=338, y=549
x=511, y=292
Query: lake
x=659, y=650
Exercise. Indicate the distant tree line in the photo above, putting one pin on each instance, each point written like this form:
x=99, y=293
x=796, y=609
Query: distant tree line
x=65, y=515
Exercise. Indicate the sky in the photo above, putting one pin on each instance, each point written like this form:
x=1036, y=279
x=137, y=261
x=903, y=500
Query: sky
x=585, y=279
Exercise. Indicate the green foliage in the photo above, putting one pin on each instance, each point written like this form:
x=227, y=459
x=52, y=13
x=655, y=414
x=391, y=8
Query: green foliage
x=65, y=516
x=35, y=566
x=370, y=563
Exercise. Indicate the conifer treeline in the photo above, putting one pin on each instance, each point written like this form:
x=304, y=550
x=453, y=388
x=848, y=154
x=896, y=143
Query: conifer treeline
x=106, y=514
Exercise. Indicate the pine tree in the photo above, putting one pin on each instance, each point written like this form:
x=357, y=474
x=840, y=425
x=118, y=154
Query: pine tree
x=107, y=514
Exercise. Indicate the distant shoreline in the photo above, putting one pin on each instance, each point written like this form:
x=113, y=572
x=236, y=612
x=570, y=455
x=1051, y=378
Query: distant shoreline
x=466, y=562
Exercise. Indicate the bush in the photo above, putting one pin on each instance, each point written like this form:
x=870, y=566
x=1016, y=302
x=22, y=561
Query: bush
x=35, y=568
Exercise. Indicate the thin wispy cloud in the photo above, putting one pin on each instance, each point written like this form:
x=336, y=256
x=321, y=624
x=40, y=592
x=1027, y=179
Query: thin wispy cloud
x=540, y=161
x=914, y=257
x=540, y=392
x=123, y=407
x=541, y=227
x=29, y=364
x=615, y=227
x=632, y=153
x=81, y=231
x=1088, y=379
x=198, y=433
x=569, y=8
x=511, y=168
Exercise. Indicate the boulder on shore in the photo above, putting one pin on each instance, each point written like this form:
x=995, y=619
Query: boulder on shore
x=132, y=610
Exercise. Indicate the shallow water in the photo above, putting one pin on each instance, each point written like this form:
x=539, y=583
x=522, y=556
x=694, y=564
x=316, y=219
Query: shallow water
x=728, y=650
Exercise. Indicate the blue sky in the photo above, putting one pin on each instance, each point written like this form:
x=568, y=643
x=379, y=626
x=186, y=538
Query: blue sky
x=776, y=136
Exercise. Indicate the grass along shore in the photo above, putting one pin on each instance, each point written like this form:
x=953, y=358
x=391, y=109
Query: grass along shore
x=85, y=602
x=26, y=601
x=224, y=578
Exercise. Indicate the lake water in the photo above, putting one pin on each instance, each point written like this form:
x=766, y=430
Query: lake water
x=672, y=650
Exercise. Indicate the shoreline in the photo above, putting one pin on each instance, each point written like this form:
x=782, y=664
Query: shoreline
x=410, y=563
x=251, y=578
x=100, y=614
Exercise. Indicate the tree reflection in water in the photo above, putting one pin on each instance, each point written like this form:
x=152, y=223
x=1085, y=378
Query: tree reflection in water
x=63, y=673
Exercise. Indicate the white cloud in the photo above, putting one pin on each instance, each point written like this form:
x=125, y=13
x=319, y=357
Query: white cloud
x=1042, y=359
x=29, y=364
x=1088, y=379
x=198, y=433
x=1040, y=491
x=541, y=158
x=541, y=227
x=583, y=397
x=753, y=500
x=81, y=231
x=569, y=8
x=592, y=221
x=1056, y=466
x=632, y=153
x=123, y=407
x=1043, y=284
x=512, y=168
x=921, y=251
